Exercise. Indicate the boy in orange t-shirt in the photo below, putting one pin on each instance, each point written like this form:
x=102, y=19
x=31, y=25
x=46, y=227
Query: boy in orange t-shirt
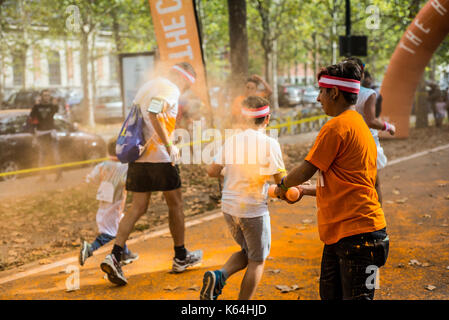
x=351, y=222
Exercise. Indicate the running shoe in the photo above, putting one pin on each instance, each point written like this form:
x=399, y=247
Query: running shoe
x=128, y=257
x=193, y=258
x=114, y=271
x=85, y=252
x=213, y=284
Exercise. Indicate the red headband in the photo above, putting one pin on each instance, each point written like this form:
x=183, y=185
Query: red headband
x=185, y=74
x=344, y=84
x=256, y=113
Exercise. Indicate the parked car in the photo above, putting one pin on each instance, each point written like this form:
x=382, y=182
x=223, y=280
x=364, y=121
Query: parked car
x=26, y=99
x=18, y=151
x=108, y=106
x=289, y=95
x=310, y=95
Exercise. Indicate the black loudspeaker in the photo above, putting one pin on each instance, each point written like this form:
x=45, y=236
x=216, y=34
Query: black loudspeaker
x=353, y=46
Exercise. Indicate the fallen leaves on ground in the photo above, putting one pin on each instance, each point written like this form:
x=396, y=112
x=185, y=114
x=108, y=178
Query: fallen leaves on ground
x=286, y=289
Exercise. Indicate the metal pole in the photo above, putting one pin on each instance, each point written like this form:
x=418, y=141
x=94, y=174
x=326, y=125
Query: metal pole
x=348, y=26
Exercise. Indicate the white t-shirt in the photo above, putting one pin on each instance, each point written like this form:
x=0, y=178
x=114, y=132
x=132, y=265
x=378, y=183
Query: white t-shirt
x=166, y=90
x=249, y=158
x=112, y=178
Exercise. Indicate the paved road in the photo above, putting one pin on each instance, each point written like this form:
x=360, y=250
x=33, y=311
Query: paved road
x=417, y=214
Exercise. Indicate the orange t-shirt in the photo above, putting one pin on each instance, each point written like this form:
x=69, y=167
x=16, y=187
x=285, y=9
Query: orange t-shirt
x=347, y=201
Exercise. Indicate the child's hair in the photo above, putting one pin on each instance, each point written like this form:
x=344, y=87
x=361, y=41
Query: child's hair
x=346, y=69
x=111, y=146
x=254, y=102
x=357, y=61
x=251, y=79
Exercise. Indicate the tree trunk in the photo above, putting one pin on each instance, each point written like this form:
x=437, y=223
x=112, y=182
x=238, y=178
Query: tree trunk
x=305, y=73
x=274, y=75
x=23, y=57
x=93, y=81
x=87, y=107
x=238, y=38
x=421, y=105
x=1, y=78
x=315, y=51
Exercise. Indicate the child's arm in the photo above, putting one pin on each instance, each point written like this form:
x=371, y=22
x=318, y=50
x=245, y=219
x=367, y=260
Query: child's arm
x=95, y=174
x=214, y=170
x=298, y=176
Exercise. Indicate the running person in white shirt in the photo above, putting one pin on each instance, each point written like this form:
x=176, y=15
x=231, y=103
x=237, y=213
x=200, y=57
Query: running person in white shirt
x=111, y=194
x=156, y=169
x=366, y=106
x=248, y=160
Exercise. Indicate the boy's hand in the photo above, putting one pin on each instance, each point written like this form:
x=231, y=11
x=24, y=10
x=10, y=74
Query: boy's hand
x=301, y=194
x=281, y=194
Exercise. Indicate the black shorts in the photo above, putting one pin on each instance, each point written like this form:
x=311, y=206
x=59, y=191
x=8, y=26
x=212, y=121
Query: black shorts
x=149, y=176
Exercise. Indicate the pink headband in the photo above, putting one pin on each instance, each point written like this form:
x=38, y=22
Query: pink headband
x=344, y=84
x=185, y=74
x=256, y=113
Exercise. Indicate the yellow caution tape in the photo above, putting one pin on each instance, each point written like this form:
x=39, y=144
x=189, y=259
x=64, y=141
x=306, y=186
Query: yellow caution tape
x=72, y=164
x=64, y=165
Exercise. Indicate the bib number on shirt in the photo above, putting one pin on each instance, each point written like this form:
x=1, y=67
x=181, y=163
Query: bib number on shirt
x=105, y=192
x=156, y=105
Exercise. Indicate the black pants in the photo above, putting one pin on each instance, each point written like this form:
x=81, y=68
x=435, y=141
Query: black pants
x=348, y=266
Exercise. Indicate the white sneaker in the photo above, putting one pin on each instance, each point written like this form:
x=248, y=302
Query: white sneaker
x=193, y=258
x=114, y=271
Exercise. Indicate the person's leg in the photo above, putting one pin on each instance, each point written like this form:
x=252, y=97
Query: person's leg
x=43, y=146
x=100, y=241
x=257, y=235
x=356, y=258
x=173, y=198
x=251, y=279
x=139, y=206
x=56, y=156
x=330, y=282
x=214, y=281
x=238, y=261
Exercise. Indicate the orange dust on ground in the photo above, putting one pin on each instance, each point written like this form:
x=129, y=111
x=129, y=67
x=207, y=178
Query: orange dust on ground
x=416, y=205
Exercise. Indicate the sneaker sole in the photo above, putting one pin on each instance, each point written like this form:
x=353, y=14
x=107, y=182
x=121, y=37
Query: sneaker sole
x=112, y=277
x=82, y=260
x=184, y=268
x=208, y=286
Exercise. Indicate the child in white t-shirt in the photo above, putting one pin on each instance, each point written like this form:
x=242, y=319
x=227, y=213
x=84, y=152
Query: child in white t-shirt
x=111, y=194
x=247, y=160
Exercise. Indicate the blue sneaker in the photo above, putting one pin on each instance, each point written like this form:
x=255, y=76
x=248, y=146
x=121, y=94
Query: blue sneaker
x=213, y=283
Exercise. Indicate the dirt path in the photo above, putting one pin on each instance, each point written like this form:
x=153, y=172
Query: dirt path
x=417, y=212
